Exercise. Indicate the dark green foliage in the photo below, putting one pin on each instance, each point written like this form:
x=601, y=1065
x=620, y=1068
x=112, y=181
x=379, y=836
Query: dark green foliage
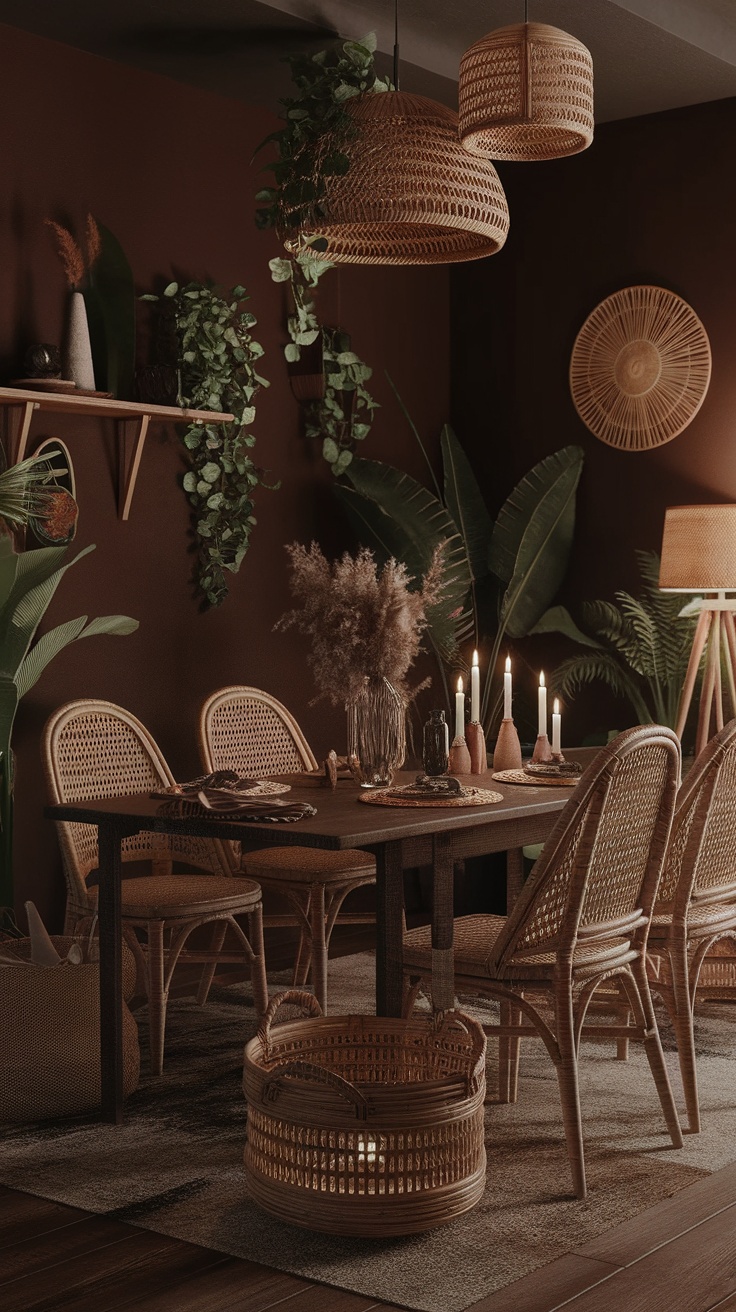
x=645, y=647
x=217, y=371
x=317, y=132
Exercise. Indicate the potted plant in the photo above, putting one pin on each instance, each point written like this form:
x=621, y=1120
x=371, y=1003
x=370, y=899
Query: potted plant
x=28, y=583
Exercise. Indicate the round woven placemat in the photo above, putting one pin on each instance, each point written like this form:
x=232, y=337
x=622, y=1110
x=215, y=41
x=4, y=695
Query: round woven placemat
x=640, y=368
x=521, y=777
x=263, y=788
x=391, y=797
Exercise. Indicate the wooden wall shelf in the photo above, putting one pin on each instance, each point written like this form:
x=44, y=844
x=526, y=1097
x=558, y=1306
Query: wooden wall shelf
x=132, y=418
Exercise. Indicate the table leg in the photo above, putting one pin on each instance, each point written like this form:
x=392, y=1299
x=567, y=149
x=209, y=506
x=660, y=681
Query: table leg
x=514, y=875
x=111, y=975
x=443, y=963
x=389, y=929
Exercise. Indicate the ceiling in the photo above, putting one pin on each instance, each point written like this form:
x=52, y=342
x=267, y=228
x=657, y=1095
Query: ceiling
x=648, y=55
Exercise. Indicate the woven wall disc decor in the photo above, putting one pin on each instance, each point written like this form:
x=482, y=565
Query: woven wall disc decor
x=640, y=368
x=412, y=195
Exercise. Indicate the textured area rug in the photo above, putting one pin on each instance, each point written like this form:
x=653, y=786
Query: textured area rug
x=176, y=1165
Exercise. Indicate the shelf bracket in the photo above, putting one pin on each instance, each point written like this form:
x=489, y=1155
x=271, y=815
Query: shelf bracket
x=131, y=440
x=16, y=426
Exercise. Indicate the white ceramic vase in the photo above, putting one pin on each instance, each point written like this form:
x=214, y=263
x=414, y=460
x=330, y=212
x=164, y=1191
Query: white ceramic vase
x=78, y=353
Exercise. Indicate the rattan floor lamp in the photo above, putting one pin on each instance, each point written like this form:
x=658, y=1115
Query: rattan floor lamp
x=699, y=555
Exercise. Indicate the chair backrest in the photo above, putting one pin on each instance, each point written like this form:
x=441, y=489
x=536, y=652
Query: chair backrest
x=597, y=877
x=700, y=866
x=248, y=730
x=94, y=749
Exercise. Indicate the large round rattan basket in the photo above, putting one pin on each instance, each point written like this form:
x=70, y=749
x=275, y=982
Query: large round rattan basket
x=365, y=1125
x=640, y=368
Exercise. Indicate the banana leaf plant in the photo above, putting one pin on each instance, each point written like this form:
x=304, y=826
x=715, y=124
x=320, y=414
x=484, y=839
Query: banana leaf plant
x=27, y=585
x=501, y=577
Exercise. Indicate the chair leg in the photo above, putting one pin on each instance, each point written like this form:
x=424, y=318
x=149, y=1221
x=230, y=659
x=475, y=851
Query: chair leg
x=259, y=983
x=504, y=1066
x=208, y=973
x=319, y=944
x=640, y=995
x=514, y=1054
x=683, y=1024
x=157, y=996
x=567, y=1078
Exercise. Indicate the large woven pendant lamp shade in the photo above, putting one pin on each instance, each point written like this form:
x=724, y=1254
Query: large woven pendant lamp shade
x=412, y=195
x=526, y=93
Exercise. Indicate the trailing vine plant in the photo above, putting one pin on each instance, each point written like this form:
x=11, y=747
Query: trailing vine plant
x=312, y=148
x=217, y=370
x=317, y=131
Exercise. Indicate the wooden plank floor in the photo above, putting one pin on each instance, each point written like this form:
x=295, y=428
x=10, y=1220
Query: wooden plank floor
x=677, y=1257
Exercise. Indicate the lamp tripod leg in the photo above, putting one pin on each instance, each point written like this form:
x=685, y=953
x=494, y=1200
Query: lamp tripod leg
x=728, y=634
x=700, y=637
x=712, y=665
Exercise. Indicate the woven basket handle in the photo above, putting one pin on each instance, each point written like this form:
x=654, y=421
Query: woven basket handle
x=442, y=1021
x=291, y=997
x=273, y=1084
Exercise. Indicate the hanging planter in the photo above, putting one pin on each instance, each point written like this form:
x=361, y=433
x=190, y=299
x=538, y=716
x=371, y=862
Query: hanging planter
x=306, y=375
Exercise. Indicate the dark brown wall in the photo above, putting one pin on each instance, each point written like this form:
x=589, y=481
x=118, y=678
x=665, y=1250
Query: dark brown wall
x=652, y=201
x=167, y=168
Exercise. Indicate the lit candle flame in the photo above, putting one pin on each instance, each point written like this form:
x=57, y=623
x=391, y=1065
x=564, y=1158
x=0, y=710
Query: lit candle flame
x=475, y=658
x=508, y=664
x=556, y=706
x=541, y=678
x=460, y=684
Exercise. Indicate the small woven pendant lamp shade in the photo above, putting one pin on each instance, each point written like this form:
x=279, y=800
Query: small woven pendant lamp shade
x=412, y=195
x=526, y=93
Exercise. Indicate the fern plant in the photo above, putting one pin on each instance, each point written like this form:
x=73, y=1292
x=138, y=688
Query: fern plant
x=644, y=651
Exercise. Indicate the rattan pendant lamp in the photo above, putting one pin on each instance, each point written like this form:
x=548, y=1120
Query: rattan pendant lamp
x=526, y=93
x=412, y=195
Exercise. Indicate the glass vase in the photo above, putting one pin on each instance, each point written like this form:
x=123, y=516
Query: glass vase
x=376, y=733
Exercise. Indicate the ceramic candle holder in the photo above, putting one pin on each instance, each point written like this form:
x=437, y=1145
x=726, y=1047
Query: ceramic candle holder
x=476, y=741
x=556, y=756
x=507, y=755
x=542, y=749
x=459, y=757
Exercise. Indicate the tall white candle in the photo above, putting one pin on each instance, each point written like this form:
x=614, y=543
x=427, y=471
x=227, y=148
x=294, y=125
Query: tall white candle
x=475, y=689
x=542, y=726
x=556, y=726
x=460, y=710
x=507, y=690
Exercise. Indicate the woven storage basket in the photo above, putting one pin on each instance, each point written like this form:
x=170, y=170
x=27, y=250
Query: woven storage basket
x=50, y=1035
x=365, y=1125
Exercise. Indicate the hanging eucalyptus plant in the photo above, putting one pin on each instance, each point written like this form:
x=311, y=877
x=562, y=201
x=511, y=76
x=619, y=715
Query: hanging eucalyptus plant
x=217, y=371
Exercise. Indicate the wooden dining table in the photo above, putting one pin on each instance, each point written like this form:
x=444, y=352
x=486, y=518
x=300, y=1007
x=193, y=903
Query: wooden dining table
x=400, y=837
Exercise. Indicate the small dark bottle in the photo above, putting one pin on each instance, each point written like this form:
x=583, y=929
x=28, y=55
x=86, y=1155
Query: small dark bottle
x=436, y=744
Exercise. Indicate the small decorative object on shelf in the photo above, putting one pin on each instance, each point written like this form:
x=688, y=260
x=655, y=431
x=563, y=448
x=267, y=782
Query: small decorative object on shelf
x=42, y=360
x=436, y=744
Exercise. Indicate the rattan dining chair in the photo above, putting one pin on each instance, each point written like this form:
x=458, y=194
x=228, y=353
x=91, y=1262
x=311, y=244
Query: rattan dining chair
x=248, y=730
x=696, y=903
x=581, y=918
x=94, y=749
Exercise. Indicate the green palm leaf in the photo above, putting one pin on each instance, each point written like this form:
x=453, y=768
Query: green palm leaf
x=590, y=667
x=466, y=504
x=538, y=520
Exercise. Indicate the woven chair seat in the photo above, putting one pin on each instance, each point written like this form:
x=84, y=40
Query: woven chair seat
x=309, y=864
x=708, y=919
x=169, y=897
x=474, y=939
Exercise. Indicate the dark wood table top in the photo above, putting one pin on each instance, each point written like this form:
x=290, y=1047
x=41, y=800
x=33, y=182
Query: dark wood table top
x=342, y=820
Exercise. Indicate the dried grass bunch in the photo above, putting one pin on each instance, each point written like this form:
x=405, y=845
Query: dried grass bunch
x=77, y=263
x=361, y=622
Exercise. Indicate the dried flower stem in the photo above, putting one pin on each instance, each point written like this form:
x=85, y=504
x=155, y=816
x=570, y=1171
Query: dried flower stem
x=361, y=623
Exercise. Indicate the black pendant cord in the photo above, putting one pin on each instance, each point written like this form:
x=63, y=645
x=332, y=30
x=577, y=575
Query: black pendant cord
x=526, y=11
x=396, y=45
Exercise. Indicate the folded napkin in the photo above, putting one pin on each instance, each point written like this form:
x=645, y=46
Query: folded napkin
x=223, y=805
